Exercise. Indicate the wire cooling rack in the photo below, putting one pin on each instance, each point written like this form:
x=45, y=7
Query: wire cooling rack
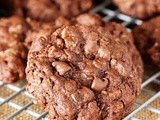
x=16, y=103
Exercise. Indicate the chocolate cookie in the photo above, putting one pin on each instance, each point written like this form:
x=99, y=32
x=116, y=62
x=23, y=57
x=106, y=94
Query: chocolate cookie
x=12, y=50
x=147, y=40
x=49, y=10
x=139, y=8
x=87, y=69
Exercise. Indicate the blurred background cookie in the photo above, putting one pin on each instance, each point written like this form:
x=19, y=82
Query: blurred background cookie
x=49, y=10
x=13, y=53
x=139, y=8
x=147, y=40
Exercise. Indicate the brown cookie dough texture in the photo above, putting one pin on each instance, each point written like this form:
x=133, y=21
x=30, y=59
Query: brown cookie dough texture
x=89, y=69
x=49, y=10
x=12, y=51
x=147, y=40
x=139, y=8
x=38, y=29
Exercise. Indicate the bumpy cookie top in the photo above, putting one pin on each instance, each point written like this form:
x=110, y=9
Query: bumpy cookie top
x=12, y=51
x=139, y=8
x=147, y=39
x=89, y=68
x=49, y=10
x=38, y=29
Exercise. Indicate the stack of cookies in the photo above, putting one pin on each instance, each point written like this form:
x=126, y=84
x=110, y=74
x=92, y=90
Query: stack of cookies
x=77, y=66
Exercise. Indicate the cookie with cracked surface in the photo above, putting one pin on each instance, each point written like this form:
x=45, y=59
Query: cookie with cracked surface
x=49, y=10
x=13, y=53
x=89, y=68
x=139, y=8
x=147, y=40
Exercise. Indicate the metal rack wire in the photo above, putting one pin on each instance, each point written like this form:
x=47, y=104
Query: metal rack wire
x=147, y=106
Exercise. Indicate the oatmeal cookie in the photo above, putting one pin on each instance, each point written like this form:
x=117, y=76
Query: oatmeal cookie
x=88, y=68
